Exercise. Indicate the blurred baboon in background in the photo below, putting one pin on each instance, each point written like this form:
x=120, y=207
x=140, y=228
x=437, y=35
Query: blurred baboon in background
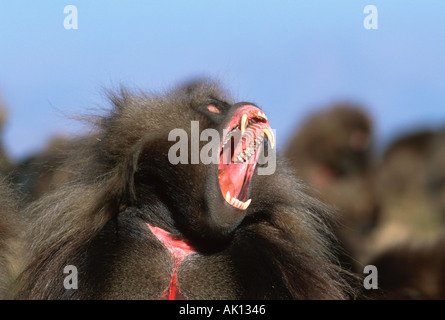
x=332, y=151
x=411, y=270
x=436, y=173
x=10, y=250
x=402, y=167
x=44, y=171
x=401, y=187
x=409, y=242
x=337, y=140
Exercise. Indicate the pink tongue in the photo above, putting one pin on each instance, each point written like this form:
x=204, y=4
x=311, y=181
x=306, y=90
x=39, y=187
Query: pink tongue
x=233, y=178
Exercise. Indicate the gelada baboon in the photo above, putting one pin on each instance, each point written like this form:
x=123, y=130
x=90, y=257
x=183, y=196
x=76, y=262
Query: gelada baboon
x=337, y=140
x=332, y=151
x=137, y=226
x=408, y=243
x=401, y=188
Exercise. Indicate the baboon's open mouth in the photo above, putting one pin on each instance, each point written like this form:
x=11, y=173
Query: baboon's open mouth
x=240, y=148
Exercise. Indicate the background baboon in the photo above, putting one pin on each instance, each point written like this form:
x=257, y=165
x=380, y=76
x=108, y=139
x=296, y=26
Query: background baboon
x=411, y=270
x=408, y=246
x=332, y=151
x=337, y=140
x=436, y=172
x=126, y=196
x=401, y=188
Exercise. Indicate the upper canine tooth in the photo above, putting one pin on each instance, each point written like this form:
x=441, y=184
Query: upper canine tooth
x=269, y=134
x=243, y=123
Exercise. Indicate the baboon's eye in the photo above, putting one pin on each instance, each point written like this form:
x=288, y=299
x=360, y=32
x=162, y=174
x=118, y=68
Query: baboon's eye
x=212, y=108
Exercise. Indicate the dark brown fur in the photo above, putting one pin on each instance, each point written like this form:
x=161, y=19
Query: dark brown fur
x=436, y=172
x=46, y=170
x=412, y=271
x=10, y=250
x=338, y=139
x=408, y=268
x=402, y=170
x=280, y=248
x=401, y=188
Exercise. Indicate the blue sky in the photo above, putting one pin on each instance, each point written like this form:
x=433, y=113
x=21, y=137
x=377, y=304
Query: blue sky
x=289, y=57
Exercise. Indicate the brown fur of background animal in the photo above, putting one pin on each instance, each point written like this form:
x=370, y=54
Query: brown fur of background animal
x=337, y=139
x=436, y=173
x=402, y=188
x=412, y=270
x=281, y=247
x=332, y=151
x=10, y=249
x=408, y=245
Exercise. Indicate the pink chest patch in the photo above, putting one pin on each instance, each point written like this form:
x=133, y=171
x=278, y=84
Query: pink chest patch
x=179, y=249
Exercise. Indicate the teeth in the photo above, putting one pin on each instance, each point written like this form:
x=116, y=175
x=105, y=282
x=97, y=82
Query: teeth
x=250, y=150
x=228, y=196
x=237, y=203
x=246, y=204
x=269, y=134
x=262, y=115
x=243, y=123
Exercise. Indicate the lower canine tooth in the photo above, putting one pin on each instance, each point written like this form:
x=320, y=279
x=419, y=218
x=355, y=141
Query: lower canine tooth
x=246, y=204
x=228, y=196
